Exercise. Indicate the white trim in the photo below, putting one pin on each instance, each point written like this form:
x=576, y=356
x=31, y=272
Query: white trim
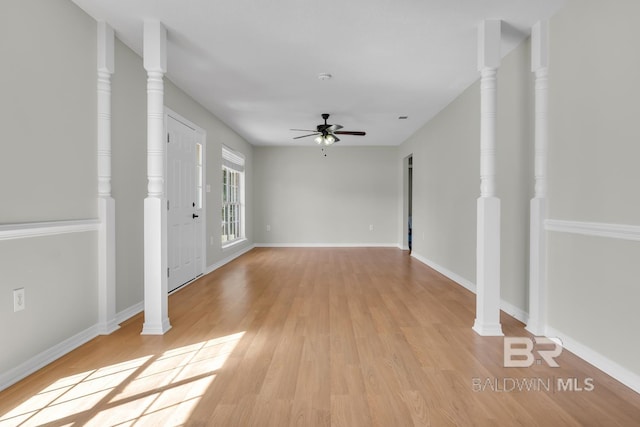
x=52, y=354
x=50, y=228
x=128, y=313
x=232, y=244
x=505, y=306
x=326, y=245
x=606, y=365
x=599, y=229
x=467, y=284
x=228, y=259
x=48, y=356
x=515, y=312
x=232, y=159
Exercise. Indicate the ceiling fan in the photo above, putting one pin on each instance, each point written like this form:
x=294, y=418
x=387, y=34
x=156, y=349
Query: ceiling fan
x=325, y=134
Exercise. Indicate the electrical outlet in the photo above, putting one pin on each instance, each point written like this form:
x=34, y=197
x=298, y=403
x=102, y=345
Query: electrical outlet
x=370, y=227
x=208, y=188
x=268, y=228
x=18, y=299
x=211, y=240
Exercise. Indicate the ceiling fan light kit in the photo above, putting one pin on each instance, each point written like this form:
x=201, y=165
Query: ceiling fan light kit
x=325, y=140
x=325, y=134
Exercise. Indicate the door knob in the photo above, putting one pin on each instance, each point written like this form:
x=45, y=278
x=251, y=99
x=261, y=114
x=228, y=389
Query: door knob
x=195, y=216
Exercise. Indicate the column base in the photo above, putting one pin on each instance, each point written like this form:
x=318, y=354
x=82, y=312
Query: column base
x=488, y=330
x=156, y=329
x=156, y=313
x=107, y=266
x=108, y=327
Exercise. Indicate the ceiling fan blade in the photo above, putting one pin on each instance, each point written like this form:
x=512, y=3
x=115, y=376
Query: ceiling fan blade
x=334, y=128
x=347, y=132
x=304, y=130
x=304, y=136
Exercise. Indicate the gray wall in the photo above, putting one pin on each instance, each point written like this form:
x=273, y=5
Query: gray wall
x=307, y=198
x=446, y=179
x=48, y=78
x=594, y=284
x=217, y=135
x=47, y=172
x=129, y=172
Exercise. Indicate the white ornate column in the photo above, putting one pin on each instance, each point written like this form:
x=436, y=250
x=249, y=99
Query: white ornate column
x=537, y=253
x=106, y=204
x=488, y=223
x=156, y=319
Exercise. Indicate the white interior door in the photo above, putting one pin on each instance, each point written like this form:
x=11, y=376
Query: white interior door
x=184, y=195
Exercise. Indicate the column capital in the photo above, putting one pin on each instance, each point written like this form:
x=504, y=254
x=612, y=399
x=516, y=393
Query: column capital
x=106, y=38
x=155, y=46
x=489, y=33
x=540, y=46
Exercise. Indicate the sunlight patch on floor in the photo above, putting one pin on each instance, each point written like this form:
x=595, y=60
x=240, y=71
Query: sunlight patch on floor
x=157, y=388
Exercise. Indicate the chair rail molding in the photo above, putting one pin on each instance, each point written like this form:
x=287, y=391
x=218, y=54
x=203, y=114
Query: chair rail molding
x=597, y=229
x=487, y=320
x=49, y=228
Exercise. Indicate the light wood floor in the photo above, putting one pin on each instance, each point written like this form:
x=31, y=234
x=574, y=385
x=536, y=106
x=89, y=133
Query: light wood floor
x=312, y=337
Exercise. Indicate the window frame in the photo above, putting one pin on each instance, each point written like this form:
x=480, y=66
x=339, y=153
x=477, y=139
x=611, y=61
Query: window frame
x=232, y=221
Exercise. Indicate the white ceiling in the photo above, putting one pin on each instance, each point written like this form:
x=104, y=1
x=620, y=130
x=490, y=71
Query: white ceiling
x=254, y=63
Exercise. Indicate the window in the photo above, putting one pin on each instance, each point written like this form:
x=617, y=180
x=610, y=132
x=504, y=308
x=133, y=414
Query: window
x=232, y=196
x=199, y=173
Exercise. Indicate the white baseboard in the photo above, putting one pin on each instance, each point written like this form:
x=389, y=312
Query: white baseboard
x=513, y=311
x=41, y=360
x=606, y=365
x=505, y=306
x=128, y=313
x=50, y=355
x=228, y=259
x=109, y=327
x=467, y=284
x=326, y=245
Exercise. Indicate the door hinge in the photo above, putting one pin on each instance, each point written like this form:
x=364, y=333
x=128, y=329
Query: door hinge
x=168, y=272
x=168, y=137
x=167, y=204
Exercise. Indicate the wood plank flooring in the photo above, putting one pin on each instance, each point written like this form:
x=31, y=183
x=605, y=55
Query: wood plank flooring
x=315, y=337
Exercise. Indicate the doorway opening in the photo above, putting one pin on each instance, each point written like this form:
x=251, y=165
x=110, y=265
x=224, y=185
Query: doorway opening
x=407, y=217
